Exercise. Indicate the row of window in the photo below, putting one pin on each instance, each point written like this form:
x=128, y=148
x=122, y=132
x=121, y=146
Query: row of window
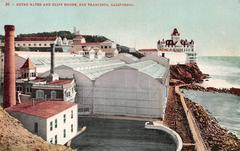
x=26, y=75
x=56, y=122
x=69, y=92
x=33, y=45
x=64, y=135
x=27, y=89
x=105, y=47
x=40, y=94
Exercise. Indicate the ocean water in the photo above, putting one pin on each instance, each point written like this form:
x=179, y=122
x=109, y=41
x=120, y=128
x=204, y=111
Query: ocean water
x=223, y=70
x=224, y=107
x=225, y=73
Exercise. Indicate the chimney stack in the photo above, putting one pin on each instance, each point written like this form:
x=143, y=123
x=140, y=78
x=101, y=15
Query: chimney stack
x=9, y=94
x=53, y=76
x=52, y=59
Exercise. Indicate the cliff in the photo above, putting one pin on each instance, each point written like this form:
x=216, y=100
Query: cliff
x=14, y=137
x=188, y=73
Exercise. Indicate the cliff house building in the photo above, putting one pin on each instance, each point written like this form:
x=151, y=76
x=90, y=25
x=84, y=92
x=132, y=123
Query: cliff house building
x=179, y=51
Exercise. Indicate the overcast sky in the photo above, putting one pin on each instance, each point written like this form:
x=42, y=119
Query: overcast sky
x=214, y=25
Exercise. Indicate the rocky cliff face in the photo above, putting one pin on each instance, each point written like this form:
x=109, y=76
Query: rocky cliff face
x=13, y=137
x=188, y=73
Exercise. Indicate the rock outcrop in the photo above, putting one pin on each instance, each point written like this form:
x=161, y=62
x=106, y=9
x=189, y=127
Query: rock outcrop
x=234, y=91
x=14, y=137
x=187, y=73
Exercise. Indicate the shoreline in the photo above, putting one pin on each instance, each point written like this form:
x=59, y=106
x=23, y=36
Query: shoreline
x=198, y=87
x=214, y=136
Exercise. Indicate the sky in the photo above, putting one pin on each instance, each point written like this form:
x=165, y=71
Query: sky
x=214, y=25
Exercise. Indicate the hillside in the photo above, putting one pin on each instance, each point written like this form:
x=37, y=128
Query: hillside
x=13, y=137
x=67, y=34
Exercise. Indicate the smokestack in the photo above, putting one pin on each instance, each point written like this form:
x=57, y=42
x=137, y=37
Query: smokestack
x=9, y=94
x=53, y=76
x=52, y=59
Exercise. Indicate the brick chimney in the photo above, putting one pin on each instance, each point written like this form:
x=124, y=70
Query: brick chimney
x=9, y=91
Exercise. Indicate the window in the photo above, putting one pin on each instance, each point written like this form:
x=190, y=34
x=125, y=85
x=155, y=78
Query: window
x=72, y=114
x=40, y=44
x=51, y=126
x=105, y=47
x=35, y=127
x=51, y=140
x=29, y=44
x=55, y=139
x=68, y=93
x=28, y=89
x=64, y=133
x=55, y=123
x=18, y=44
x=87, y=109
x=110, y=46
x=53, y=94
x=64, y=118
x=45, y=44
x=40, y=94
x=34, y=44
x=25, y=75
x=19, y=88
x=71, y=127
x=24, y=44
x=33, y=74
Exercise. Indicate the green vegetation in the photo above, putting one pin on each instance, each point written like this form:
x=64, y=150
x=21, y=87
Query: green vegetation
x=67, y=34
x=2, y=38
x=125, y=49
x=62, y=34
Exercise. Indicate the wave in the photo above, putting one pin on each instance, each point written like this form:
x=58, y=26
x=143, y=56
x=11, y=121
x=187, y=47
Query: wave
x=224, y=71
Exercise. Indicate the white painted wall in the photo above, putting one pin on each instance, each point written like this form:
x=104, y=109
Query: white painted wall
x=174, y=57
x=128, y=92
x=28, y=122
x=33, y=43
x=61, y=126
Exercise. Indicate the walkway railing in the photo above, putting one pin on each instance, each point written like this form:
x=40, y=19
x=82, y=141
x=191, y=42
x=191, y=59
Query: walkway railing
x=199, y=143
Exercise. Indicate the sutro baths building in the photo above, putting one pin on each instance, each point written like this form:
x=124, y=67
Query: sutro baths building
x=122, y=85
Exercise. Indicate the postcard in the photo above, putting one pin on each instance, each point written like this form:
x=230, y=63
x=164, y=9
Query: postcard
x=119, y=75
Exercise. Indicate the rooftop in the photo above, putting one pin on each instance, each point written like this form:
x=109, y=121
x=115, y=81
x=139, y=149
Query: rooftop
x=92, y=69
x=42, y=109
x=59, y=82
x=35, y=38
x=149, y=49
x=150, y=68
x=28, y=64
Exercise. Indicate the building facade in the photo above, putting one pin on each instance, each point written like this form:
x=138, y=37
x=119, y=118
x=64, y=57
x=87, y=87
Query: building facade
x=36, y=42
x=80, y=46
x=176, y=44
x=139, y=88
x=40, y=88
x=148, y=51
x=54, y=121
